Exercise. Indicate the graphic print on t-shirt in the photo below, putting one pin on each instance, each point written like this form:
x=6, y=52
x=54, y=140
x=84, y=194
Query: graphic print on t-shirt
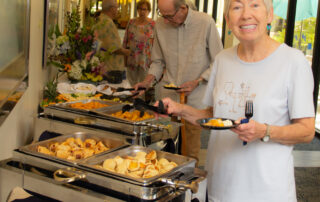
x=234, y=96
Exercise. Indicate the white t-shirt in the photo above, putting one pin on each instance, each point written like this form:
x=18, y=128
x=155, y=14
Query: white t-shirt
x=281, y=87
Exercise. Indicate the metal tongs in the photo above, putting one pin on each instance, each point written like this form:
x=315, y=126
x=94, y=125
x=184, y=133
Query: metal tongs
x=141, y=104
x=121, y=89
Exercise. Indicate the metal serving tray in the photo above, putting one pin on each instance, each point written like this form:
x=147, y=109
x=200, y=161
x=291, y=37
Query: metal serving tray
x=108, y=111
x=182, y=162
x=113, y=144
x=155, y=192
x=66, y=105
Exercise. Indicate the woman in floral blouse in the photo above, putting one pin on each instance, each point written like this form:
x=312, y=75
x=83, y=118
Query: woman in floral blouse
x=139, y=39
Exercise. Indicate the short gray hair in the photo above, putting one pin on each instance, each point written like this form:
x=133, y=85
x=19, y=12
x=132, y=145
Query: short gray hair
x=191, y=5
x=107, y=4
x=267, y=3
x=178, y=3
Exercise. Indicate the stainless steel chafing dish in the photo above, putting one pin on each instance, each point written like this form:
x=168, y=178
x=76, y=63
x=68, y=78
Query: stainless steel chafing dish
x=81, y=182
x=154, y=132
x=181, y=161
x=113, y=144
x=67, y=105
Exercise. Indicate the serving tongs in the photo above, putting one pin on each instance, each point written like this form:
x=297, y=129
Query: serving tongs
x=121, y=89
x=141, y=104
x=183, y=180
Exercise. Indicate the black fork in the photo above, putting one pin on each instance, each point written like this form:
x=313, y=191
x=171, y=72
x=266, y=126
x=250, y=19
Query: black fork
x=248, y=113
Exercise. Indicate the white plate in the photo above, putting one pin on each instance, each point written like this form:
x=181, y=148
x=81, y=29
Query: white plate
x=64, y=88
x=106, y=89
x=84, y=88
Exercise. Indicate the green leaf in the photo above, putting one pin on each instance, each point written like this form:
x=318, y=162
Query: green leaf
x=57, y=31
x=74, y=95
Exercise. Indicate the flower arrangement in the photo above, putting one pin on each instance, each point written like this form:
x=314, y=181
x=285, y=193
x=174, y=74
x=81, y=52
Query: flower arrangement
x=75, y=50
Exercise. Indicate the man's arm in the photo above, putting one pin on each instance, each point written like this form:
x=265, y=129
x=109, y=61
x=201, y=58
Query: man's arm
x=122, y=51
x=157, y=58
x=214, y=47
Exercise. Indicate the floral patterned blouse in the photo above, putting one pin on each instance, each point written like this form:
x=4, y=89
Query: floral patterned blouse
x=139, y=39
x=110, y=41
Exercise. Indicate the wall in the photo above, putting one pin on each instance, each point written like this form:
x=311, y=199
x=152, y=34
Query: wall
x=10, y=48
x=17, y=130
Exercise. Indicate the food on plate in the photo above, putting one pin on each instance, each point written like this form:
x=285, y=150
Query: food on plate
x=171, y=85
x=84, y=88
x=74, y=148
x=79, y=96
x=219, y=123
x=132, y=115
x=88, y=105
x=142, y=165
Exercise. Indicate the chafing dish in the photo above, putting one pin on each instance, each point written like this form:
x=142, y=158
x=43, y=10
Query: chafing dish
x=67, y=105
x=181, y=161
x=156, y=132
x=81, y=182
x=108, y=111
x=113, y=144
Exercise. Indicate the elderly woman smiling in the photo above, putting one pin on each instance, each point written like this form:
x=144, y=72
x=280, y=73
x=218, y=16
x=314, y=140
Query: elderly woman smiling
x=278, y=79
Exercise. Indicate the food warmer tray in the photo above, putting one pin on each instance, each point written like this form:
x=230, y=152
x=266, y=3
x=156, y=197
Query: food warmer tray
x=102, y=118
x=183, y=180
x=113, y=144
x=67, y=105
x=181, y=161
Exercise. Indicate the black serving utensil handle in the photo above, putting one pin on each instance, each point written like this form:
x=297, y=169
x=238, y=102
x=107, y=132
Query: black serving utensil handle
x=138, y=103
x=128, y=89
x=127, y=108
x=162, y=109
x=131, y=96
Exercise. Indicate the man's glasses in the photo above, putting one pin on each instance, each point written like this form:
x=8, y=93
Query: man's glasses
x=143, y=9
x=168, y=17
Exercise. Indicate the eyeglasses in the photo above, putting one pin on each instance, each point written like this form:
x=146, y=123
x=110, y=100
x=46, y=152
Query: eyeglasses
x=168, y=17
x=143, y=9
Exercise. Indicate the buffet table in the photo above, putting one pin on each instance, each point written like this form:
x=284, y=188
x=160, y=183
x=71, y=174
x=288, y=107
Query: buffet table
x=39, y=168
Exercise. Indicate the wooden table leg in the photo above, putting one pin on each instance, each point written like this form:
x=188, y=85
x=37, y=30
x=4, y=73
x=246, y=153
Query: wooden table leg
x=183, y=128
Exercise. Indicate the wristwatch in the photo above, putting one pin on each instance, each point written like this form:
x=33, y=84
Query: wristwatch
x=266, y=137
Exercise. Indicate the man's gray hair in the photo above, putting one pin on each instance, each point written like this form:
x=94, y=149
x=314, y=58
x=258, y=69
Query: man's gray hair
x=191, y=5
x=178, y=3
x=267, y=3
x=107, y=4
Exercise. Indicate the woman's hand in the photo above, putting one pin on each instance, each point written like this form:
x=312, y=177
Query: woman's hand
x=171, y=106
x=251, y=131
